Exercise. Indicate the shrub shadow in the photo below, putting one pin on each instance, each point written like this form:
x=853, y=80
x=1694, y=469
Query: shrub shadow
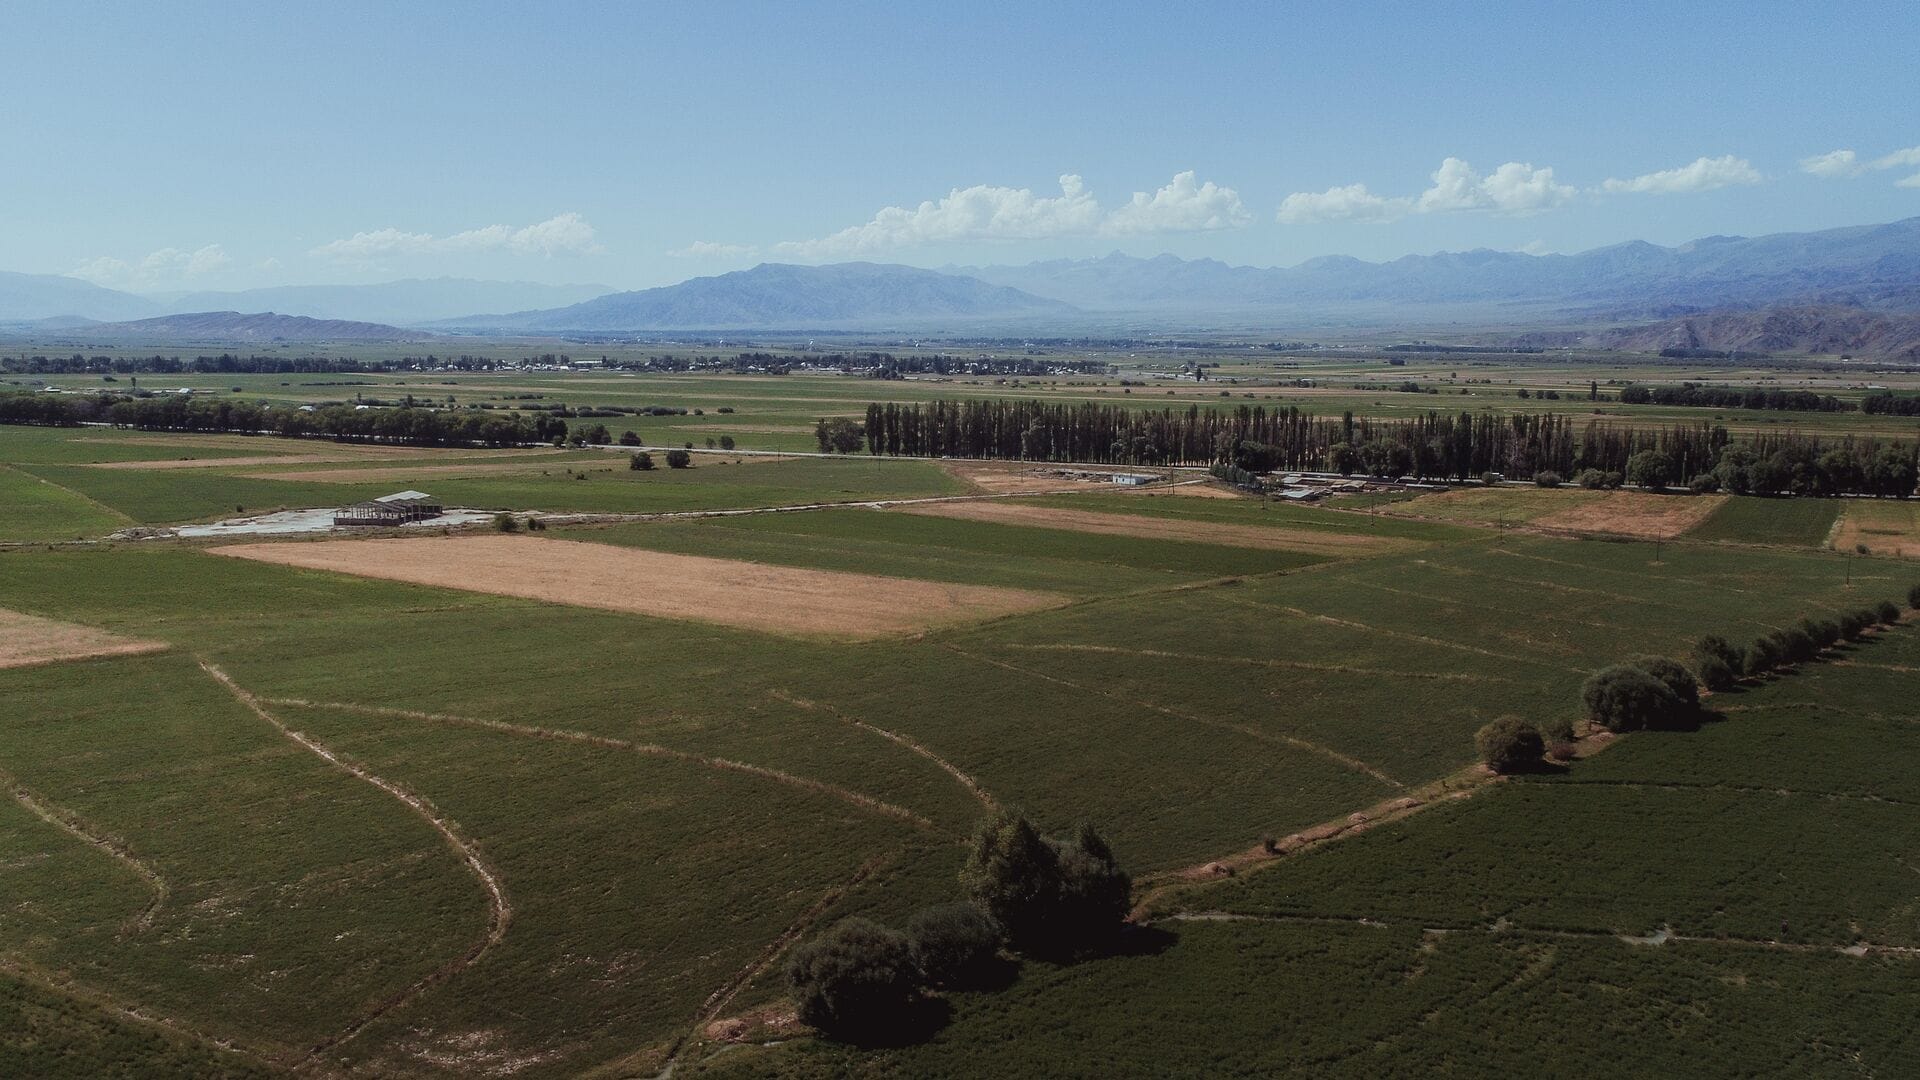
x=913, y=1024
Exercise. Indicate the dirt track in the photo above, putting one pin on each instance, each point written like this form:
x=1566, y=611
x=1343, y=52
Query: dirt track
x=728, y=591
x=1266, y=538
x=29, y=639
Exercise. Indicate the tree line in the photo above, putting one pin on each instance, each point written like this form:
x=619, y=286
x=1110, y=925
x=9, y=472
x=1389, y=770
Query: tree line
x=1887, y=403
x=405, y=426
x=1432, y=446
x=1734, y=397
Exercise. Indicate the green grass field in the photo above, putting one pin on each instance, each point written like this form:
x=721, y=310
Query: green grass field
x=1791, y=522
x=665, y=805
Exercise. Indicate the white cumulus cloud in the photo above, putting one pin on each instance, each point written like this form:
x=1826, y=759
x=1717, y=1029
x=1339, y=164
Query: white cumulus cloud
x=990, y=212
x=563, y=234
x=1833, y=163
x=1844, y=164
x=1900, y=159
x=1350, y=203
x=1182, y=206
x=1514, y=188
x=169, y=264
x=1704, y=174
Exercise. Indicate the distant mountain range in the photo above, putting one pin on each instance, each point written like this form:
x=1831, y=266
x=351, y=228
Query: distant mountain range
x=777, y=295
x=1832, y=331
x=402, y=303
x=33, y=297
x=1871, y=267
x=224, y=327
x=28, y=297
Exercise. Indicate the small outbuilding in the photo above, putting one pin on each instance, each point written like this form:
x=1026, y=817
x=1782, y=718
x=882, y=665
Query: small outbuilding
x=399, y=508
x=1134, y=479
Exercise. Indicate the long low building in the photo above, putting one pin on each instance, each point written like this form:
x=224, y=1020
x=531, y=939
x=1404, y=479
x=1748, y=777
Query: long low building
x=399, y=508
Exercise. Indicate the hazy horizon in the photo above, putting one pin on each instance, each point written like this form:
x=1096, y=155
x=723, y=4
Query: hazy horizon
x=634, y=148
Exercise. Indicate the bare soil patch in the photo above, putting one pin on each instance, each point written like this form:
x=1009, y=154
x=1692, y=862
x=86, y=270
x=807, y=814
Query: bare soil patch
x=1267, y=538
x=1000, y=477
x=731, y=592
x=30, y=639
x=1634, y=513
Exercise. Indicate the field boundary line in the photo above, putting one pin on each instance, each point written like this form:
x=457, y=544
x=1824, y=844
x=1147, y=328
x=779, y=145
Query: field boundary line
x=1442, y=643
x=81, y=495
x=1662, y=936
x=499, y=910
x=1294, y=742
x=73, y=824
x=28, y=972
x=1256, y=661
x=722, y=996
x=608, y=742
x=972, y=785
x=1744, y=789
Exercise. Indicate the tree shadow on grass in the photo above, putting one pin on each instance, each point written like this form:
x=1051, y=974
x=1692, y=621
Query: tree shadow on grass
x=908, y=1026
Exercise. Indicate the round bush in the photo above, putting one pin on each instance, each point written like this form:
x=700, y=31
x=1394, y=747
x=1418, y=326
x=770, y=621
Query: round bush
x=954, y=944
x=1674, y=676
x=1913, y=598
x=1510, y=745
x=1716, y=674
x=1625, y=697
x=1766, y=654
x=857, y=977
x=1888, y=612
x=1547, y=478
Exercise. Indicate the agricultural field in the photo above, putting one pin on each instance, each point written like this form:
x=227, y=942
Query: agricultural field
x=564, y=803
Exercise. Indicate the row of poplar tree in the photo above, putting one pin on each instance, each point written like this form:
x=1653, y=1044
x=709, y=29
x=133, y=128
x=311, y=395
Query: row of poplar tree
x=1435, y=445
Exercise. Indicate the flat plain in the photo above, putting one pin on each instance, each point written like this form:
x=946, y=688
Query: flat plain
x=353, y=821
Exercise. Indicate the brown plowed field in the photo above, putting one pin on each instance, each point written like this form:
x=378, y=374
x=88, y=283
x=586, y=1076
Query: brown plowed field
x=30, y=639
x=1266, y=538
x=729, y=591
x=1635, y=513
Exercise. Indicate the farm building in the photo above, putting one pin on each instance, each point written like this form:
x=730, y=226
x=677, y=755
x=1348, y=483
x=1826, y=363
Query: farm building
x=398, y=508
x=1133, y=479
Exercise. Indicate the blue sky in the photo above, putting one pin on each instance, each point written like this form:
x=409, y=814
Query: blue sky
x=166, y=146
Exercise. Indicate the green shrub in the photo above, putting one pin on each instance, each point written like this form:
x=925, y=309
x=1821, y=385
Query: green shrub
x=641, y=462
x=1765, y=655
x=1887, y=611
x=1719, y=662
x=505, y=522
x=1650, y=469
x=857, y=977
x=1913, y=598
x=679, y=459
x=1797, y=645
x=1510, y=745
x=955, y=945
x=1715, y=673
x=1547, y=478
x=1050, y=895
x=1857, y=622
x=1626, y=697
x=1674, y=676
